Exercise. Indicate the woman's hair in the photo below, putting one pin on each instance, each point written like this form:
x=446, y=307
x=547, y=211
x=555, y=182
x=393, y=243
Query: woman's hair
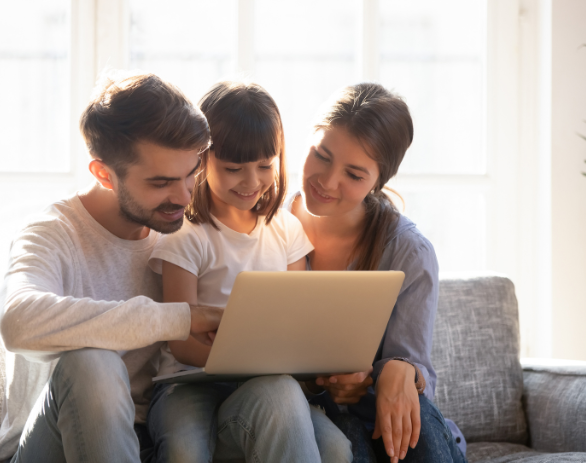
x=246, y=126
x=381, y=122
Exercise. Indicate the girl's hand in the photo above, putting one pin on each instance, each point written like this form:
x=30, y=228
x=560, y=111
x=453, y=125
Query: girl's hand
x=205, y=322
x=397, y=409
x=346, y=389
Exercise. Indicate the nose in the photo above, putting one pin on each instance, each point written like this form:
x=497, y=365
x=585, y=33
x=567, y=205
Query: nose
x=182, y=193
x=328, y=180
x=250, y=179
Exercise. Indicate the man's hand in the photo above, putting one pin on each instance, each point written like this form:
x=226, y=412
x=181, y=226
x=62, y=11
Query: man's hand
x=397, y=409
x=346, y=389
x=205, y=322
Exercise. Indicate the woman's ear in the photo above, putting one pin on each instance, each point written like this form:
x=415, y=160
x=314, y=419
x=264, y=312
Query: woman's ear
x=102, y=173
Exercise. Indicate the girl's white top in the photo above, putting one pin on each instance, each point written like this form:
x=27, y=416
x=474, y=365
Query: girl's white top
x=217, y=256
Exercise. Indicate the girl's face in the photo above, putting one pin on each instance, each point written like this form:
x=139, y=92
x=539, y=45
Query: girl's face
x=338, y=174
x=240, y=185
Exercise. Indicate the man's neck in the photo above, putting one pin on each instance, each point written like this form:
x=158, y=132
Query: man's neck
x=102, y=205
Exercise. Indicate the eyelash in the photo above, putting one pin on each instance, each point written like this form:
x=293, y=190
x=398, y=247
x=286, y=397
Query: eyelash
x=233, y=171
x=356, y=178
x=161, y=185
x=320, y=157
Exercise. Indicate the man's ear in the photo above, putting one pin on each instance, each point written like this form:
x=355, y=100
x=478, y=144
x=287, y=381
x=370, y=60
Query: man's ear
x=103, y=174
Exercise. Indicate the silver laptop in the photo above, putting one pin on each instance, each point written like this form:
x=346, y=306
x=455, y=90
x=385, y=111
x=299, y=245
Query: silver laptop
x=305, y=324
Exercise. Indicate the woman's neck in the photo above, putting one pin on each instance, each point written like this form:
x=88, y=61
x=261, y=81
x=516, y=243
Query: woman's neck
x=333, y=237
x=348, y=225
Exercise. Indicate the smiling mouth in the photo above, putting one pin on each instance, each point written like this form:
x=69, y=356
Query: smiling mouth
x=172, y=215
x=316, y=191
x=245, y=195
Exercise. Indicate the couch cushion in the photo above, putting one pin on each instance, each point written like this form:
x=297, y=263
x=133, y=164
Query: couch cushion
x=556, y=395
x=476, y=356
x=500, y=452
x=486, y=451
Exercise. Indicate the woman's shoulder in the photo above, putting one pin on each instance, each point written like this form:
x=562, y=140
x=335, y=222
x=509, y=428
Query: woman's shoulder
x=405, y=242
x=291, y=201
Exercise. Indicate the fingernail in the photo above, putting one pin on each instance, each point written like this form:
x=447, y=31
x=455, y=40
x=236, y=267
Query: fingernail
x=403, y=453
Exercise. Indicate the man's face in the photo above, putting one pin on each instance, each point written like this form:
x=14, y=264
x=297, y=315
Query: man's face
x=156, y=190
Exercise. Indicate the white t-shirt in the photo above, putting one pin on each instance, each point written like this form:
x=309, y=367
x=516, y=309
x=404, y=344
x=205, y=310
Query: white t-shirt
x=217, y=256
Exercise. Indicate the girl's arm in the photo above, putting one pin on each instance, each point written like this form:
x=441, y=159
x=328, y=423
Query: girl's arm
x=179, y=285
x=299, y=265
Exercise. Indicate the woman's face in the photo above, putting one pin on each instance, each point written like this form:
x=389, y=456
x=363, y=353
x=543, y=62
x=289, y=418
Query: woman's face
x=338, y=174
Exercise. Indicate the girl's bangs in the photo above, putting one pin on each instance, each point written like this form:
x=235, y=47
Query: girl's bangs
x=248, y=140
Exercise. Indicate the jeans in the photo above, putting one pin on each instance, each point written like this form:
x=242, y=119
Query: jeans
x=84, y=415
x=264, y=420
x=436, y=443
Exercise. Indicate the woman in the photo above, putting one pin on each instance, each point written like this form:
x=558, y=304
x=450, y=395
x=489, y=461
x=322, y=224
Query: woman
x=360, y=142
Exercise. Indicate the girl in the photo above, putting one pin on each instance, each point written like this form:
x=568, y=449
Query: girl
x=361, y=139
x=235, y=224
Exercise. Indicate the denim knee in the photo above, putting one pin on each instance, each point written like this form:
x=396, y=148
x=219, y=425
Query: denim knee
x=281, y=393
x=98, y=375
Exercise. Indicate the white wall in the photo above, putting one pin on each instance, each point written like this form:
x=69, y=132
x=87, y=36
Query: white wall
x=568, y=199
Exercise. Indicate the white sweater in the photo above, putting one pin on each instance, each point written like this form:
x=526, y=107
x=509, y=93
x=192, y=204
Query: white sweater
x=72, y=284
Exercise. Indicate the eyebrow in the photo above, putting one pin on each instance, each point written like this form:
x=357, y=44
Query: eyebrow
x=352, y=166
x=161, y=178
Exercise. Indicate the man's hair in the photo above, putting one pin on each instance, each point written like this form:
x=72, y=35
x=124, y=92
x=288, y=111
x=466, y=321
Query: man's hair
x=140, y=108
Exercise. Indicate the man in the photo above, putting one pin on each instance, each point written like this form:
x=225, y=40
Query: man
x=81, y=322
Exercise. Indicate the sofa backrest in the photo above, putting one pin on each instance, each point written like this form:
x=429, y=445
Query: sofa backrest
x=476, y=357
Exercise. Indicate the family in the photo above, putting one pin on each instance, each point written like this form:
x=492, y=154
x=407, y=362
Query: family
x=127, y=280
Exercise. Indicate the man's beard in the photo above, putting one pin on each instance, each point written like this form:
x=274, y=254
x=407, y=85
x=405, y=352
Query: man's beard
x=132, y=211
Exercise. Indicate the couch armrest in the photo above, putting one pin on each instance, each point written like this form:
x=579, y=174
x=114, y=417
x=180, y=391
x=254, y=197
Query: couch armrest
x=554, y=399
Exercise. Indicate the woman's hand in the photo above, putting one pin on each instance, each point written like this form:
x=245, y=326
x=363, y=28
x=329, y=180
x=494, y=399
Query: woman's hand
x=397, y=409
x=346, y=389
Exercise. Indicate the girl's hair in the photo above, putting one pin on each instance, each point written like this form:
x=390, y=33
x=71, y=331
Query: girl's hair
x=381, y=122
x=245, y=126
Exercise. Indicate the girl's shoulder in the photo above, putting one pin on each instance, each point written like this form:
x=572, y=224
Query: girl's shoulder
x=284, y=222
x=188, y=234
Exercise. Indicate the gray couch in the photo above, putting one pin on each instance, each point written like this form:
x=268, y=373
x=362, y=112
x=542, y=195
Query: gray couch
x=507, y=413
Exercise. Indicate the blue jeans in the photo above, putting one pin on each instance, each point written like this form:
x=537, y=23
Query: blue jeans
x=263, y=420
x=84, y=415
x=436, y=443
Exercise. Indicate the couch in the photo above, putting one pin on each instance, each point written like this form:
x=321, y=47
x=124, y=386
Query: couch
x=533, y=413
x=508, y=413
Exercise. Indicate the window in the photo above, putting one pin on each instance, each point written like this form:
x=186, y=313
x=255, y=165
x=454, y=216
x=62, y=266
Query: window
x=453, y=61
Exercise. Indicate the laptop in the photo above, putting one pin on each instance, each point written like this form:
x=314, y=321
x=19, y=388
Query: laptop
x=305, y=324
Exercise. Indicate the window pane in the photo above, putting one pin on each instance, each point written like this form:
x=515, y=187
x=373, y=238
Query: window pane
x=191, y=43
x=34, y=44
x=433, y=54
x=454, y=220
x=304, y=51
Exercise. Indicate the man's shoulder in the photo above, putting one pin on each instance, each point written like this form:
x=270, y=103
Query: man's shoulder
x=57, y=219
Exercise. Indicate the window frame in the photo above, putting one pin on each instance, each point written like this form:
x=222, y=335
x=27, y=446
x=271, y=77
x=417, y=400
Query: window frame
x=515, y=46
